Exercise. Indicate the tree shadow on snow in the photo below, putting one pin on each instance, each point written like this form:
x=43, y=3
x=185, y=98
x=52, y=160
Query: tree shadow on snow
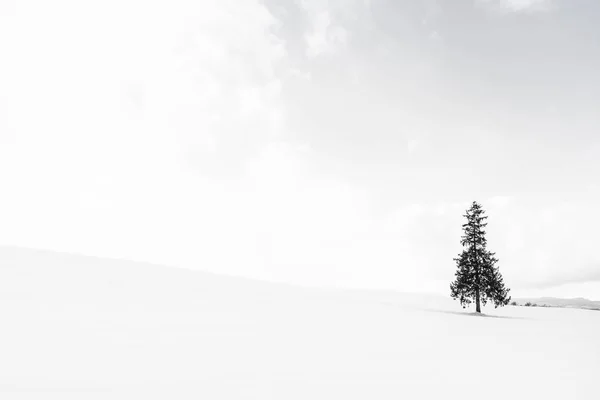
x=473, y=314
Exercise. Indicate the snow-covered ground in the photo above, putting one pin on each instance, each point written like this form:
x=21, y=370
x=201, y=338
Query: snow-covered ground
x=84, y=328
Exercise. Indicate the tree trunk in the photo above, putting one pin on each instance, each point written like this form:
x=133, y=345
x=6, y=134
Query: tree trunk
x=477, y=279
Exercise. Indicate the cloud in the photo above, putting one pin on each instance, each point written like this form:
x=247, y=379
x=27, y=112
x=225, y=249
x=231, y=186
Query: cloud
x=536, y=241
x=324, y=36
x=163, y=139
x=532, y=241
x=114, y=109
x=500, y=201
x=169, y=138
x=192, y=75
x=330, y=23
x=519, y=5
x=412, y=145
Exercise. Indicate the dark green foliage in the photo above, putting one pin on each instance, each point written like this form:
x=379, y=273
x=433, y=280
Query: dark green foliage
x=528, y=304
x=513, y=303
x=478, y=279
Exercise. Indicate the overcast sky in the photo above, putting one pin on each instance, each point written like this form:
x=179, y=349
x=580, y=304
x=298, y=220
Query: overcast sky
x=316, y=142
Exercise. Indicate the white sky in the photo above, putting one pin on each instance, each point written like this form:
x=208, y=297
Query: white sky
x=322, y=143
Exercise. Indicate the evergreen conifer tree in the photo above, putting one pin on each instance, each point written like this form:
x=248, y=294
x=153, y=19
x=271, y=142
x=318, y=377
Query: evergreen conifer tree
x=478, y=278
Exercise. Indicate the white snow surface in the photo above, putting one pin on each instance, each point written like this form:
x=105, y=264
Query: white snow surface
x=74, y=327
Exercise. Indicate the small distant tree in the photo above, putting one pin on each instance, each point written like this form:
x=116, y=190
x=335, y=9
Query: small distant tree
x=478, y=278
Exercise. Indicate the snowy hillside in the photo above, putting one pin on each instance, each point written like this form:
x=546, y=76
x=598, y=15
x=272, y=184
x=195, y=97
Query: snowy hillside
x=74, y=327
x=557, y=302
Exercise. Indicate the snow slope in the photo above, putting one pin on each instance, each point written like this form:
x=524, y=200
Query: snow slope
x=74, y=327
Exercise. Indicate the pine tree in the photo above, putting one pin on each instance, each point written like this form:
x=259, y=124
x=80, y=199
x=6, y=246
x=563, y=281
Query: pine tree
x=478, y=278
